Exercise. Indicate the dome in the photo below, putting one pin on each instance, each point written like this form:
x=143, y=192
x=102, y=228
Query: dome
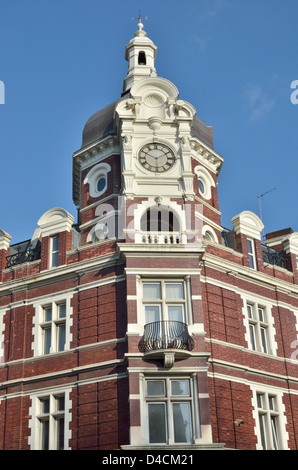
x=100, y=124
x=103, y=123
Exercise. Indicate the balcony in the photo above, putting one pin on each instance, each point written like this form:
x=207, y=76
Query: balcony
x=169, y=340
x=23, y=253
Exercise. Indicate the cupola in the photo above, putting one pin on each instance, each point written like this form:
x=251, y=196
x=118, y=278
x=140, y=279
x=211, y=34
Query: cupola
x=140, y=54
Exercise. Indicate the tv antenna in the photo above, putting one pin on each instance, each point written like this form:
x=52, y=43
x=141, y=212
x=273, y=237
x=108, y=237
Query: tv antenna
x=260, y=200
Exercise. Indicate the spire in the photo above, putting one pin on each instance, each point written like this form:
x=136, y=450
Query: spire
x=140, y=54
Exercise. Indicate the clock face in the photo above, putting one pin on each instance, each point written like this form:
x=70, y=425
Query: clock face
x=156, y=157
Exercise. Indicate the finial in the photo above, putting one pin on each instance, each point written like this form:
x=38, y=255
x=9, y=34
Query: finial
x=140, y=18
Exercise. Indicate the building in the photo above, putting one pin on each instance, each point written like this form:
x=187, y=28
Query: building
x=145, y=324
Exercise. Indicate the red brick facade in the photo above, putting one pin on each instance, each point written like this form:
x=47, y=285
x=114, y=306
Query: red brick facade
x=78, y=359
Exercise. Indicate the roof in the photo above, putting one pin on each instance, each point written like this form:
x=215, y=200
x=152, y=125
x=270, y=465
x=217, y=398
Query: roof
x=103, y=123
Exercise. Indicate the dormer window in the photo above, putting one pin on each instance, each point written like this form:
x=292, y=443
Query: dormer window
x=142, y=58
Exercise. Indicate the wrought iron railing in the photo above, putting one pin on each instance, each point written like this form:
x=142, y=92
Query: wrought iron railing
x=166, y=335
x=274, y=257
x=23, y=256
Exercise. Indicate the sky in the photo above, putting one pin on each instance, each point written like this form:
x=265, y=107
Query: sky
x=233, y=60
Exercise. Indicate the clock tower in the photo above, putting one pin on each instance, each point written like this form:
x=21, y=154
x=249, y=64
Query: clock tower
x=145, y=184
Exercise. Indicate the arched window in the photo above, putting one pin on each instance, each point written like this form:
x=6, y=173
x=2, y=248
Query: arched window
x=160, y=219
x=142, y=58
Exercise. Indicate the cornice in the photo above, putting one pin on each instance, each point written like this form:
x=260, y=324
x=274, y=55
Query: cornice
x=206, y=155
x=250, y=275
x=60, y=273
x=93, y=153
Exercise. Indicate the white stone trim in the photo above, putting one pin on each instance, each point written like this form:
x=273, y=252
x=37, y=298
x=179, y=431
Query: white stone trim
x=4, y=240
x=284, y=435
x=37, y=320
x=33, y=439
x=54, y=221
x=249, y=224
x=207, y=180
x=100, y=170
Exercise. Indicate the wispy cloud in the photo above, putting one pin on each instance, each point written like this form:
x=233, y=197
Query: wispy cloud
x=213, y=7
x=257, y=101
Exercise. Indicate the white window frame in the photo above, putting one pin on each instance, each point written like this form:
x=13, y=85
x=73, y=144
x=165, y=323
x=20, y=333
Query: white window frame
x=98, y=171
x=252, y=253
x=260, y=329
x=207, y=180
x=168, y=400
x=54, y=253
x=40, y=324
x=164, y=302
x=265, y=415
x=38, y=417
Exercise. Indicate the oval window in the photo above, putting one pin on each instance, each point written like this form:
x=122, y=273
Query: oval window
x=101, y=184
x=201, y=186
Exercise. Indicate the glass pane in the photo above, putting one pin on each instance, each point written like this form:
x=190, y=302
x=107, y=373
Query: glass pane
x=47, y=340
x=271, y=403
x=151, y=291
x=152, y=314
x=45, y=435
x=251, y=261
x=175, y=313
x=182, y=424
x=60, y=403
x=61, y=337
x=157, y=423
x=249, y=311
x=48, y=314
x=252, y=336
x=62, y=311
x=155, y=387
x=260, y=400
x=180, y=387
x=274, y=431
x=264, y=340
x=174, y=291
x=55, y=243
x=55, y=258
x=201, y=186
x=60, y=434
x=249, y=247
x=261, y=314
x=101, y=184
x=45, y=405
x=262, y=431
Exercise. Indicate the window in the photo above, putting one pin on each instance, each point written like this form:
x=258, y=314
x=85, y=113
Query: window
x=258, y=328
x=164, y=301
x=170, y=410
x=205, y=182
x=53, y=328
x=52, y=325
x=50, y=421
x=201, y=186
x=101, y=184
x=269, y=424
x=142, y=58
x=160, y=219
x=54, y=251
x=97, y=179
x=251, y=254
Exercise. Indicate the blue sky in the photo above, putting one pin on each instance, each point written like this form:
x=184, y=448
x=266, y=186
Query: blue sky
x=233, y=60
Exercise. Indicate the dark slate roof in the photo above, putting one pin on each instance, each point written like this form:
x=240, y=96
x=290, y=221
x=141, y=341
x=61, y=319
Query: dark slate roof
x=102, y=124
